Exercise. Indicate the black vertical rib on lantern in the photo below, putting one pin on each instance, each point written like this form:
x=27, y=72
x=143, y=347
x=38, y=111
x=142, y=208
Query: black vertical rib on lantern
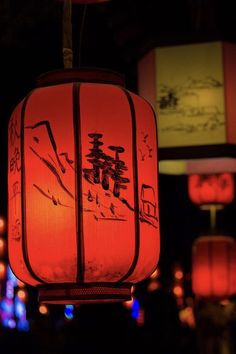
x=78, y=183
x=23, y=207
x=136, y=195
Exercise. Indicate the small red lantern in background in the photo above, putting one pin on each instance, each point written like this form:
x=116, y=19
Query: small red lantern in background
x=214, y=267
x=211, y=189
x=83, y=198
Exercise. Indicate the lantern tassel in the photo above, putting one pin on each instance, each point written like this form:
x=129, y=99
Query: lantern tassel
x=67, y=35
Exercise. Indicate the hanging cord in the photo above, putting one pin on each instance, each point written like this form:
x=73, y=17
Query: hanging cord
x=213, y=211
x=67, y=35
x=81, y=34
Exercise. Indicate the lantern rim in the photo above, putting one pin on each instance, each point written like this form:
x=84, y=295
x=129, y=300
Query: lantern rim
x=213, y=237
x=84, y=293
x=217, y=206
x=84, y=75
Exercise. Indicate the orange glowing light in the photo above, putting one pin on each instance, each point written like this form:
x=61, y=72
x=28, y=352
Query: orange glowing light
x=83, y=197
x=2, y=270
x=153, y=285
x=186, y=316
x=128, y=304
x=178, y=291
x=155, y=274
x=179, y=274
x=43, y=309
x=2, y=246
x=214, y=267
x=22, y=295
x=2, y=225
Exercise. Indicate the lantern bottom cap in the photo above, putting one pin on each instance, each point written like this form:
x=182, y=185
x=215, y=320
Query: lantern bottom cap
x=84, y=293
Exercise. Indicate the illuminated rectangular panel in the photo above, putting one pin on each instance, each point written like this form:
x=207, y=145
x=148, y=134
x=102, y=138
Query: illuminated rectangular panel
x=193, y=95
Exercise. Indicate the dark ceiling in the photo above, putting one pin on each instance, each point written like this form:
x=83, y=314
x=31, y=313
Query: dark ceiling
x=116, y=35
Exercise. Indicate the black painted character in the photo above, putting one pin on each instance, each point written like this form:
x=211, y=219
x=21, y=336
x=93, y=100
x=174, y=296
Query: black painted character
x=105, y=167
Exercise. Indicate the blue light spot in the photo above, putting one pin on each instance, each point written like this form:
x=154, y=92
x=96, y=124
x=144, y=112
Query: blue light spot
x=68, y=312
x=10, y=289
x=23, y=325
x=20, y=310
x=9, y=323
x=6, y=308
x=135, y=309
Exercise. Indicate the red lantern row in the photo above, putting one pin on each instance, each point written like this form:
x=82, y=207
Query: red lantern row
x=83, y=198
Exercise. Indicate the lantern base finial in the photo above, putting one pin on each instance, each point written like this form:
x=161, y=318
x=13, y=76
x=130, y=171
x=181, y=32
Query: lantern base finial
x=84, y=293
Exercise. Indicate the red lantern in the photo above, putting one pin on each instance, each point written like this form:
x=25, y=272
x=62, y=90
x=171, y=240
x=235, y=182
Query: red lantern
x=211, y=189
x=214, y=267
x=83, y=211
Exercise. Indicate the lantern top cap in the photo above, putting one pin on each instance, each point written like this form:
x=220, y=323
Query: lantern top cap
x=214, y=238
x=88, y=75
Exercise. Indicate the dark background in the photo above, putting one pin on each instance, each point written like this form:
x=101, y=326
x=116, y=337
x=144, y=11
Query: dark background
x=115, y=36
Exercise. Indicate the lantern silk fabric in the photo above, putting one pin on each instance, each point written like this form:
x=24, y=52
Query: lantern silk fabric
x=214, y=267
x=211, y=189
x=83, y=198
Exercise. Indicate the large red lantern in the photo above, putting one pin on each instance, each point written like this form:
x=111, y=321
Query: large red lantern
x=83, y=197
x=211, y=189
x=214, y=267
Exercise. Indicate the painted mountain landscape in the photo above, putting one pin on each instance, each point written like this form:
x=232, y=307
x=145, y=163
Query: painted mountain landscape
x=192, y=108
